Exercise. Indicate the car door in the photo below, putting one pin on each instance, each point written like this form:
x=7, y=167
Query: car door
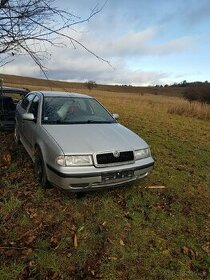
x=21, y=108
x=30, y=127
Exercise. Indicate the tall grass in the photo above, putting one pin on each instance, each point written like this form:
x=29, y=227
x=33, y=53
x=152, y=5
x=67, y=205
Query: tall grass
x=191, y=109
x=158, y=103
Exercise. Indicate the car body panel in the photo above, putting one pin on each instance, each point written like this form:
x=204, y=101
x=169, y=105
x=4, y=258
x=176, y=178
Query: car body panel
x=93, y=138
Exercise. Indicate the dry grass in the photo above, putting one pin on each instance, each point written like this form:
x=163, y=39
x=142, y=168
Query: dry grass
x=190, y=109
x=166, y=100
x=157, y=103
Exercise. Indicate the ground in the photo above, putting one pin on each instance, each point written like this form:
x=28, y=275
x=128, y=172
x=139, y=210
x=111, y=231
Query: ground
x=158, y=228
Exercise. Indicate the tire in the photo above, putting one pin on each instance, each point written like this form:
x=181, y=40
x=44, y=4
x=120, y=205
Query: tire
x=16, y=137
x=40, y=171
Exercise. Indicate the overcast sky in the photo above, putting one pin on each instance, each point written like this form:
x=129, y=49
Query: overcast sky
x=147, y=42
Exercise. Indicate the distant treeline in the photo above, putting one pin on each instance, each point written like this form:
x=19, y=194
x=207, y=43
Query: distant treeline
x=185, y=84
x=194, y=91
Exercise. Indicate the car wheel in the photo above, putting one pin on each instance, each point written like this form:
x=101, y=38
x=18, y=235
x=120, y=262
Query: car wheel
x=39, y=169
x=16, y=137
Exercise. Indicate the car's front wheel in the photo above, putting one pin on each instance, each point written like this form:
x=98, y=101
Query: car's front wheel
x=39, y=169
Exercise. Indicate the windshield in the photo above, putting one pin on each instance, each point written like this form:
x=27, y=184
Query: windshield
x=74, y=110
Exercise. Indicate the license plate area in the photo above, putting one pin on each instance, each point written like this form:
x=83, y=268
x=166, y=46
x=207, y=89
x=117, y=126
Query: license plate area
x=117, y=176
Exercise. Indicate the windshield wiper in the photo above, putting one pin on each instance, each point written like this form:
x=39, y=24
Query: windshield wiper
x=83, y=122
x=92, y=121
x=77, y=122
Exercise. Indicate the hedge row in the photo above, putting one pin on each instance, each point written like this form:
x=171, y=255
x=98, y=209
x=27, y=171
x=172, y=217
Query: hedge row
x=199, y=93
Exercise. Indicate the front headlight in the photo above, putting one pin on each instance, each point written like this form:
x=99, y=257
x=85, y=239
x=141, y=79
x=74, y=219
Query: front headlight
x=75, y=160
x=143, y=153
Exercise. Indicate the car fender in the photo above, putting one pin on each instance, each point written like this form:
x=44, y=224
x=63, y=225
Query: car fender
x=48, y=147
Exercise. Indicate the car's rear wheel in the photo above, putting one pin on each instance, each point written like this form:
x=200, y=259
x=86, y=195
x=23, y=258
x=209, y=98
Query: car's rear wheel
x=39, y=169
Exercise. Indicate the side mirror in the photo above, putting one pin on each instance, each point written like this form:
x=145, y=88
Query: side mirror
x=28, y=117
x=115, y=116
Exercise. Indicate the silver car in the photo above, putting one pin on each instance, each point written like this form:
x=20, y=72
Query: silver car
x=76, y=144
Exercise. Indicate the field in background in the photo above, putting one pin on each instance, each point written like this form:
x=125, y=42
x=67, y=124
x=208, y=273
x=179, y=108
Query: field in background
x=155, y=229
x=35, y=84
x=149, y=95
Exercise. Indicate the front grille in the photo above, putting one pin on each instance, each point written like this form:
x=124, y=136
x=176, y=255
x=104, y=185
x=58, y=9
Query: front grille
x=109, y=158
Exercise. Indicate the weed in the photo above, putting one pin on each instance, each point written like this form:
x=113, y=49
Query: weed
x=10, y=272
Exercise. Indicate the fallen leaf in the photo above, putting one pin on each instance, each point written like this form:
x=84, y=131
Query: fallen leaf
x=54, y=242
x=69, y=254
x=109, y=241
x=122, y=242
x=206, y=247
x=75, y=241
x=112, y=258
x=29, y=239
x=71, y=268
x=6, y=159
x=10, y=252
x=81, y=228
x=185, y=250
x=155, y=187
x=13, y=175
x=27, y=251
x=189, y=252
x=166, y=252
x=31, y=263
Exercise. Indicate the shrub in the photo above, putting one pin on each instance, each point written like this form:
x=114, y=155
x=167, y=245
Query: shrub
x=198, y=93
x=91, y=84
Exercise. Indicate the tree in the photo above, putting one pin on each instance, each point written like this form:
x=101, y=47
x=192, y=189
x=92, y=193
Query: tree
x=30, y=26
x=91, y=84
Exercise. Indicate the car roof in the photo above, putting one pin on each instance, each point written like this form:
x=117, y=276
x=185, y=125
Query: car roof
x=13, y=90
x=61, y=94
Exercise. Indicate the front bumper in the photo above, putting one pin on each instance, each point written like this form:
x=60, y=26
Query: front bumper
x=100, y=177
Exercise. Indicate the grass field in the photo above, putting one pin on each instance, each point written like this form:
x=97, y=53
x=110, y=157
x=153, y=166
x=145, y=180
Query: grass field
x=135, y=232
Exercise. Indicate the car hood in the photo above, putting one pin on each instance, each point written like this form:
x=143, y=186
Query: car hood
x=94, y=138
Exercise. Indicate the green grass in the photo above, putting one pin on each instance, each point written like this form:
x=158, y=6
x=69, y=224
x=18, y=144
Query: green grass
x=126, y=233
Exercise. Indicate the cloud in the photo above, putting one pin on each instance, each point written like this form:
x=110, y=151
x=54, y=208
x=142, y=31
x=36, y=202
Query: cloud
x=138, y=44
x=178, y=45
x=77, y=65
x=82, y=67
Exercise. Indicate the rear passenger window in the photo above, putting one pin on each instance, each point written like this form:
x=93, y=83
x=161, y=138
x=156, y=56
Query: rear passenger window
x=26, y=100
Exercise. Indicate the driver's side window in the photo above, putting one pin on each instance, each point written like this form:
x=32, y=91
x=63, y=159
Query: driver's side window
x=34, y=107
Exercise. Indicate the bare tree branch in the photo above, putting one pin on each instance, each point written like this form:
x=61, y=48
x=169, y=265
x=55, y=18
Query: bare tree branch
x=28, y=24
